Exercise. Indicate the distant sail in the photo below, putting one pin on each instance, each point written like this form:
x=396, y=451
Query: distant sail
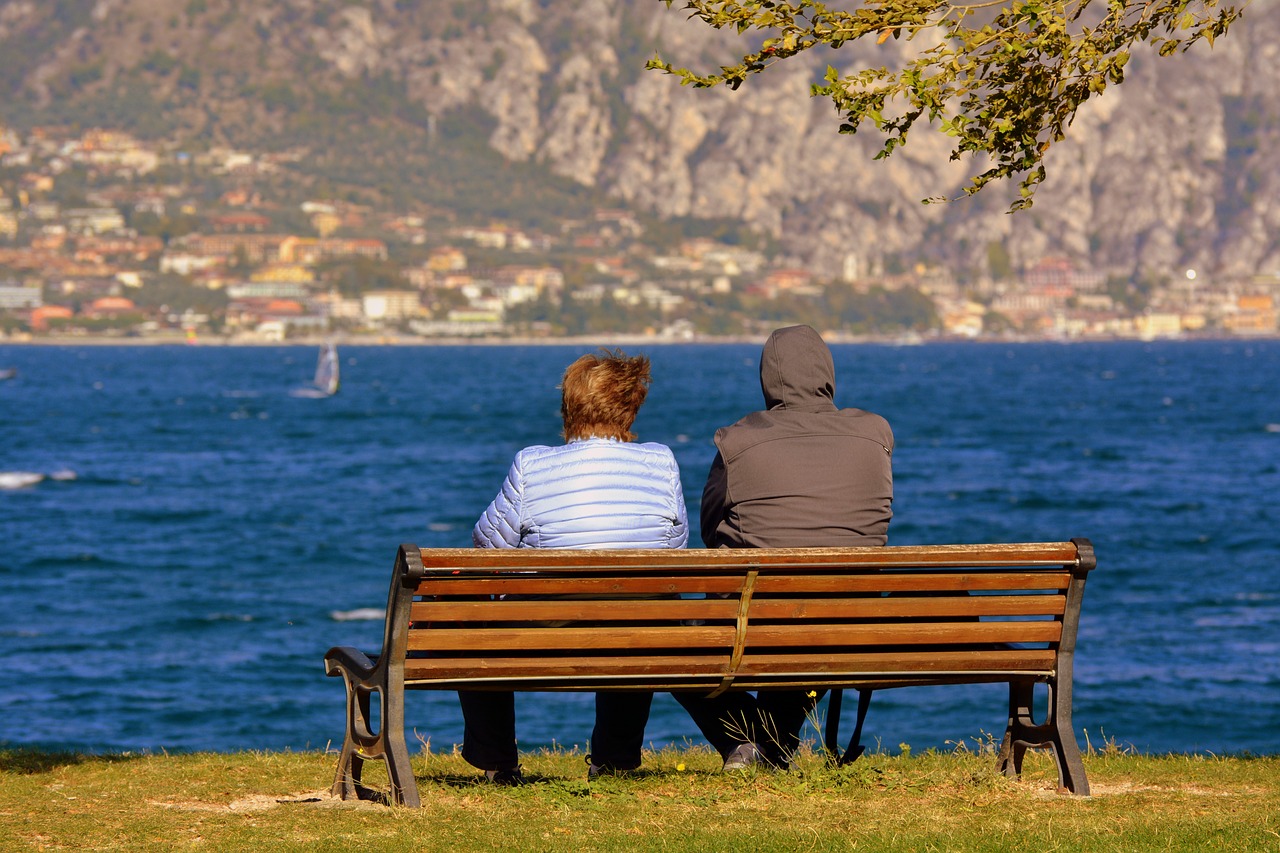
x=327, y=370
x=326, y=381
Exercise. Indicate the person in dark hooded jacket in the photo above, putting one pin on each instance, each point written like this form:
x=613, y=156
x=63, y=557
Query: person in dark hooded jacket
x=800, y=474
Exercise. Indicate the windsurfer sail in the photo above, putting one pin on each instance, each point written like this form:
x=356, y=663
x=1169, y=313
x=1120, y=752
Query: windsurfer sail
x=325, y=383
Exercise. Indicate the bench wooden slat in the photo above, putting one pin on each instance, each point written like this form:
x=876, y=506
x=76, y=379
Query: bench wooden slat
x=667, y=611
x=906, y=556
x=531, y=639
x=548, y=582
x=614, y=584
x=527, y=673
x=817, y=637
x=879, y=581
x=581, y=666
x=876, y=582
x=905, y=608
x=488, y=583
x=898, y=661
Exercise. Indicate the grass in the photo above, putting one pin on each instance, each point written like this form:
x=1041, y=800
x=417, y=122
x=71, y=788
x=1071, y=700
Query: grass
x=943, y=801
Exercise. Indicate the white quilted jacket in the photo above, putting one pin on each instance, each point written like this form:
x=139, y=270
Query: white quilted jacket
x=590, y=493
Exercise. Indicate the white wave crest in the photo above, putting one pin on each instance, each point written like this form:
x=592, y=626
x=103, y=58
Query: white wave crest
x=360, y=614
x=10, y=480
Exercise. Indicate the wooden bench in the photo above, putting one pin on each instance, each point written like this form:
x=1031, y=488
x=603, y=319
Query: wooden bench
x=715, y=620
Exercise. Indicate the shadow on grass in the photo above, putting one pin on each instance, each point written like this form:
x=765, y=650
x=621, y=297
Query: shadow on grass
x=456, y=780
x=31, y=761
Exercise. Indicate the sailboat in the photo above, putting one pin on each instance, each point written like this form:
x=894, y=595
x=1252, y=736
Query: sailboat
x=325, y=383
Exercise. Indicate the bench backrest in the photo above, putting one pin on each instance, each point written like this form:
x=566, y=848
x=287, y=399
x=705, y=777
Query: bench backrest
x=742, y=619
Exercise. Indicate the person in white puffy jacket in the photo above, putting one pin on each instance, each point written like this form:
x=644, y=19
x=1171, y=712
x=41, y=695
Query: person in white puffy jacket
x=601, y=489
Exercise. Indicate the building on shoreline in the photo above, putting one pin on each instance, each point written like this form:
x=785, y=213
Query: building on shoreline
x=217, y=255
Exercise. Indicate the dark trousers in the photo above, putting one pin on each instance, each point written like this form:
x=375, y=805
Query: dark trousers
x=771, y=719
x=489, y=729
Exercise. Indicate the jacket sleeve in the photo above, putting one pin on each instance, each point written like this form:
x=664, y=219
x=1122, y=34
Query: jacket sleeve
x=680, y=533
x=715, y=494
x=500, y=526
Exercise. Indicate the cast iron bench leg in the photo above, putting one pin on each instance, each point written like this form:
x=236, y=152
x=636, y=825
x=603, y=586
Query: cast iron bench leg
x=388, y=744
x=1022, y=733
x=346, y=783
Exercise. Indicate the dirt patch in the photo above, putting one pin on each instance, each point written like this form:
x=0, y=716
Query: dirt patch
x=1097, y=789
x=263, y=802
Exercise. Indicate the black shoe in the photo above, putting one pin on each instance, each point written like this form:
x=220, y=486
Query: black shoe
x=595, y=771
x=508, y=778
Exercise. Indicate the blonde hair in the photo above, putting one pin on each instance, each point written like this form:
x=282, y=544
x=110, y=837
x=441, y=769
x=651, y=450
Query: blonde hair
x=600, y=395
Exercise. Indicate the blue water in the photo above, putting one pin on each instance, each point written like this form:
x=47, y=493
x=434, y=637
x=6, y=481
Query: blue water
x=200, y=537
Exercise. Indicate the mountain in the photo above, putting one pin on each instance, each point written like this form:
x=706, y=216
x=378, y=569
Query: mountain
x=542, y=107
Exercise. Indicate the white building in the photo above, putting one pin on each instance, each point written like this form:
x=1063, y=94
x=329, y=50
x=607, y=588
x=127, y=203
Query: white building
x=391, y=305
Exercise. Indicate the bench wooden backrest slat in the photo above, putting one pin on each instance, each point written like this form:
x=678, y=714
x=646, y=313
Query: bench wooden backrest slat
x=545, y=582
x=445, y=560
x=906, y=607
x=667, y=611
x=818, y=639
x=905, y=660
x=696, y=669
x=422, y=671
x=874, y=582
x=541, y=640
x=814, y=639
x=882, y=581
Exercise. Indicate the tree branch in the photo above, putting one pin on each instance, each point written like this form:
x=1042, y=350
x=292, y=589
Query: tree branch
x=1005, y=78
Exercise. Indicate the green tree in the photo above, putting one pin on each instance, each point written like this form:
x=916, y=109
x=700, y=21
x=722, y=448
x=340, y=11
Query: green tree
x=995, y=323
x=175, y=294
x=999, y=265
x=356, y=276
x=1004, y=78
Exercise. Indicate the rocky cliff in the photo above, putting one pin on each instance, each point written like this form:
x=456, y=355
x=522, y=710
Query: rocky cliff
x=1178, y=167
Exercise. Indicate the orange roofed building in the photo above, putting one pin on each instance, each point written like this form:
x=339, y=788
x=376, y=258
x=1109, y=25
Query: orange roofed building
x=109, y=306
x=41, y=316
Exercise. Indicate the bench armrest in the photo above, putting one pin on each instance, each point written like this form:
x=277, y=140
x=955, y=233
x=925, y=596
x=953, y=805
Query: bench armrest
x=350, y=662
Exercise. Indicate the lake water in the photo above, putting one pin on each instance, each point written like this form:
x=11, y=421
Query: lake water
x=181, y=540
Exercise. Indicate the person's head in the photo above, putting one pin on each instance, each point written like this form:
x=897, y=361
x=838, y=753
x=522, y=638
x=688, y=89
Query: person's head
x=797, y=371
x=600, y=395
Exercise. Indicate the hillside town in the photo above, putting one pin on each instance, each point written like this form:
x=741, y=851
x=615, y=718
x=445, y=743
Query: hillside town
x=103, y=235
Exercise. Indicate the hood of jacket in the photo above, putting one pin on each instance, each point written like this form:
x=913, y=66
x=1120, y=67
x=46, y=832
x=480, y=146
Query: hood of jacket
x=797, y=372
